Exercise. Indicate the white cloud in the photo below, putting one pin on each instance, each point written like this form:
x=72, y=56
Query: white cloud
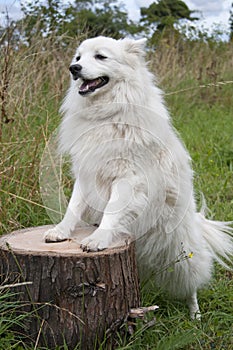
x=211, y=8
x=143, y=3
x=212, y=12
x=133, y=7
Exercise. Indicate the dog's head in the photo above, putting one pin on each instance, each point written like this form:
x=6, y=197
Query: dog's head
x=100, y=62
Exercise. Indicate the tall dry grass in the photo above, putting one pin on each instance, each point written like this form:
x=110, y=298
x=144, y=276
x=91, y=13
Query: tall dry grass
x=179, y=62
x=37, y=77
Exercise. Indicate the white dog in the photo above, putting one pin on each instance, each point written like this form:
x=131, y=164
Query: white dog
x=133, y=175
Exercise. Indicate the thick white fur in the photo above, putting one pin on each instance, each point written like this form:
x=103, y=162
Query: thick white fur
x=133, y=174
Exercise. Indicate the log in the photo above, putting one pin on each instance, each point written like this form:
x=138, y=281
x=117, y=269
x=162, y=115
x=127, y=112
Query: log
x=72, y=296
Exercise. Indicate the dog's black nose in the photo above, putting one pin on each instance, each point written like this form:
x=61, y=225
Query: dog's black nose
x=75, y=69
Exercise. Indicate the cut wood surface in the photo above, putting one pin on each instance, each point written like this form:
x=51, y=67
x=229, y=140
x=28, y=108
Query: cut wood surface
x=31, y=240
x=72, y=296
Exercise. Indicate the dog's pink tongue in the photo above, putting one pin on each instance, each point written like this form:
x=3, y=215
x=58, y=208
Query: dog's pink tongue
x=84, y=86
x=88, y=85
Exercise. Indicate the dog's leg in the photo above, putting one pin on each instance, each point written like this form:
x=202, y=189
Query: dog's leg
x=126, y=203
x=72, y=219
x=194, y=307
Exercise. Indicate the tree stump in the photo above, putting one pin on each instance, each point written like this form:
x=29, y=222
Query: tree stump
x=73, y=297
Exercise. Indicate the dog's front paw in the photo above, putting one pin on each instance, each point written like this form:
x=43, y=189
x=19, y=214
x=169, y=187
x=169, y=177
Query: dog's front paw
x=99, y=240
x=55, y=234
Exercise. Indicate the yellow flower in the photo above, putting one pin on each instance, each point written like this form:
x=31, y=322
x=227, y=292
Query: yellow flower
x=190, y=255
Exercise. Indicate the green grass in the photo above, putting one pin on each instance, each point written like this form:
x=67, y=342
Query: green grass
x=207, y=133
x=173, y=328
x=204, y=120
x=8, y=318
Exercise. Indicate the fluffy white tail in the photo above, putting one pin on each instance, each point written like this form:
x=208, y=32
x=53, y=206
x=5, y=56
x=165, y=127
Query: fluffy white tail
x=219, y=238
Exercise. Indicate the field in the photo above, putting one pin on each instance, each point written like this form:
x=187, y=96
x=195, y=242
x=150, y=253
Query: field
x=197, y=78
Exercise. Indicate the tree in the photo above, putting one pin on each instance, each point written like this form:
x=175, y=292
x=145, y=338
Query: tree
x=164, y=14
x=231, y=22
x=42, y=18
x=106, y=17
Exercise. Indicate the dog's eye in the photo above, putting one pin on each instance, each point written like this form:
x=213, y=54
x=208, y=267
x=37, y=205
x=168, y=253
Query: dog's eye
x=100, y=57
x=78, y=58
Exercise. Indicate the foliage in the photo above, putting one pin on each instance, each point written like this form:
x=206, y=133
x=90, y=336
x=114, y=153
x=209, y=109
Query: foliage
x=51, y=15
x=91, y=18
x=105, y=17
x=102, y=17
x=108, y=18
x=231, y=22
x=165, y=13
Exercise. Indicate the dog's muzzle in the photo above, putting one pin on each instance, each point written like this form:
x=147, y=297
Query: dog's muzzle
x=88, y=85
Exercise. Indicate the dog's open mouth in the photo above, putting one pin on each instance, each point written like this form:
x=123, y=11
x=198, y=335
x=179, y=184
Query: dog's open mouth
x=89, y=86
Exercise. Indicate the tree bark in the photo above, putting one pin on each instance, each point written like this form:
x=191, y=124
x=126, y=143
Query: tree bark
x=73, y=297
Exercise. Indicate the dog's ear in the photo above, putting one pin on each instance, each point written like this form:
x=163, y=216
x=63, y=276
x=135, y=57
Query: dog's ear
x=136, y=47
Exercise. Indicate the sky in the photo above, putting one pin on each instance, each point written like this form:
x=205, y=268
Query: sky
x=212, y=11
